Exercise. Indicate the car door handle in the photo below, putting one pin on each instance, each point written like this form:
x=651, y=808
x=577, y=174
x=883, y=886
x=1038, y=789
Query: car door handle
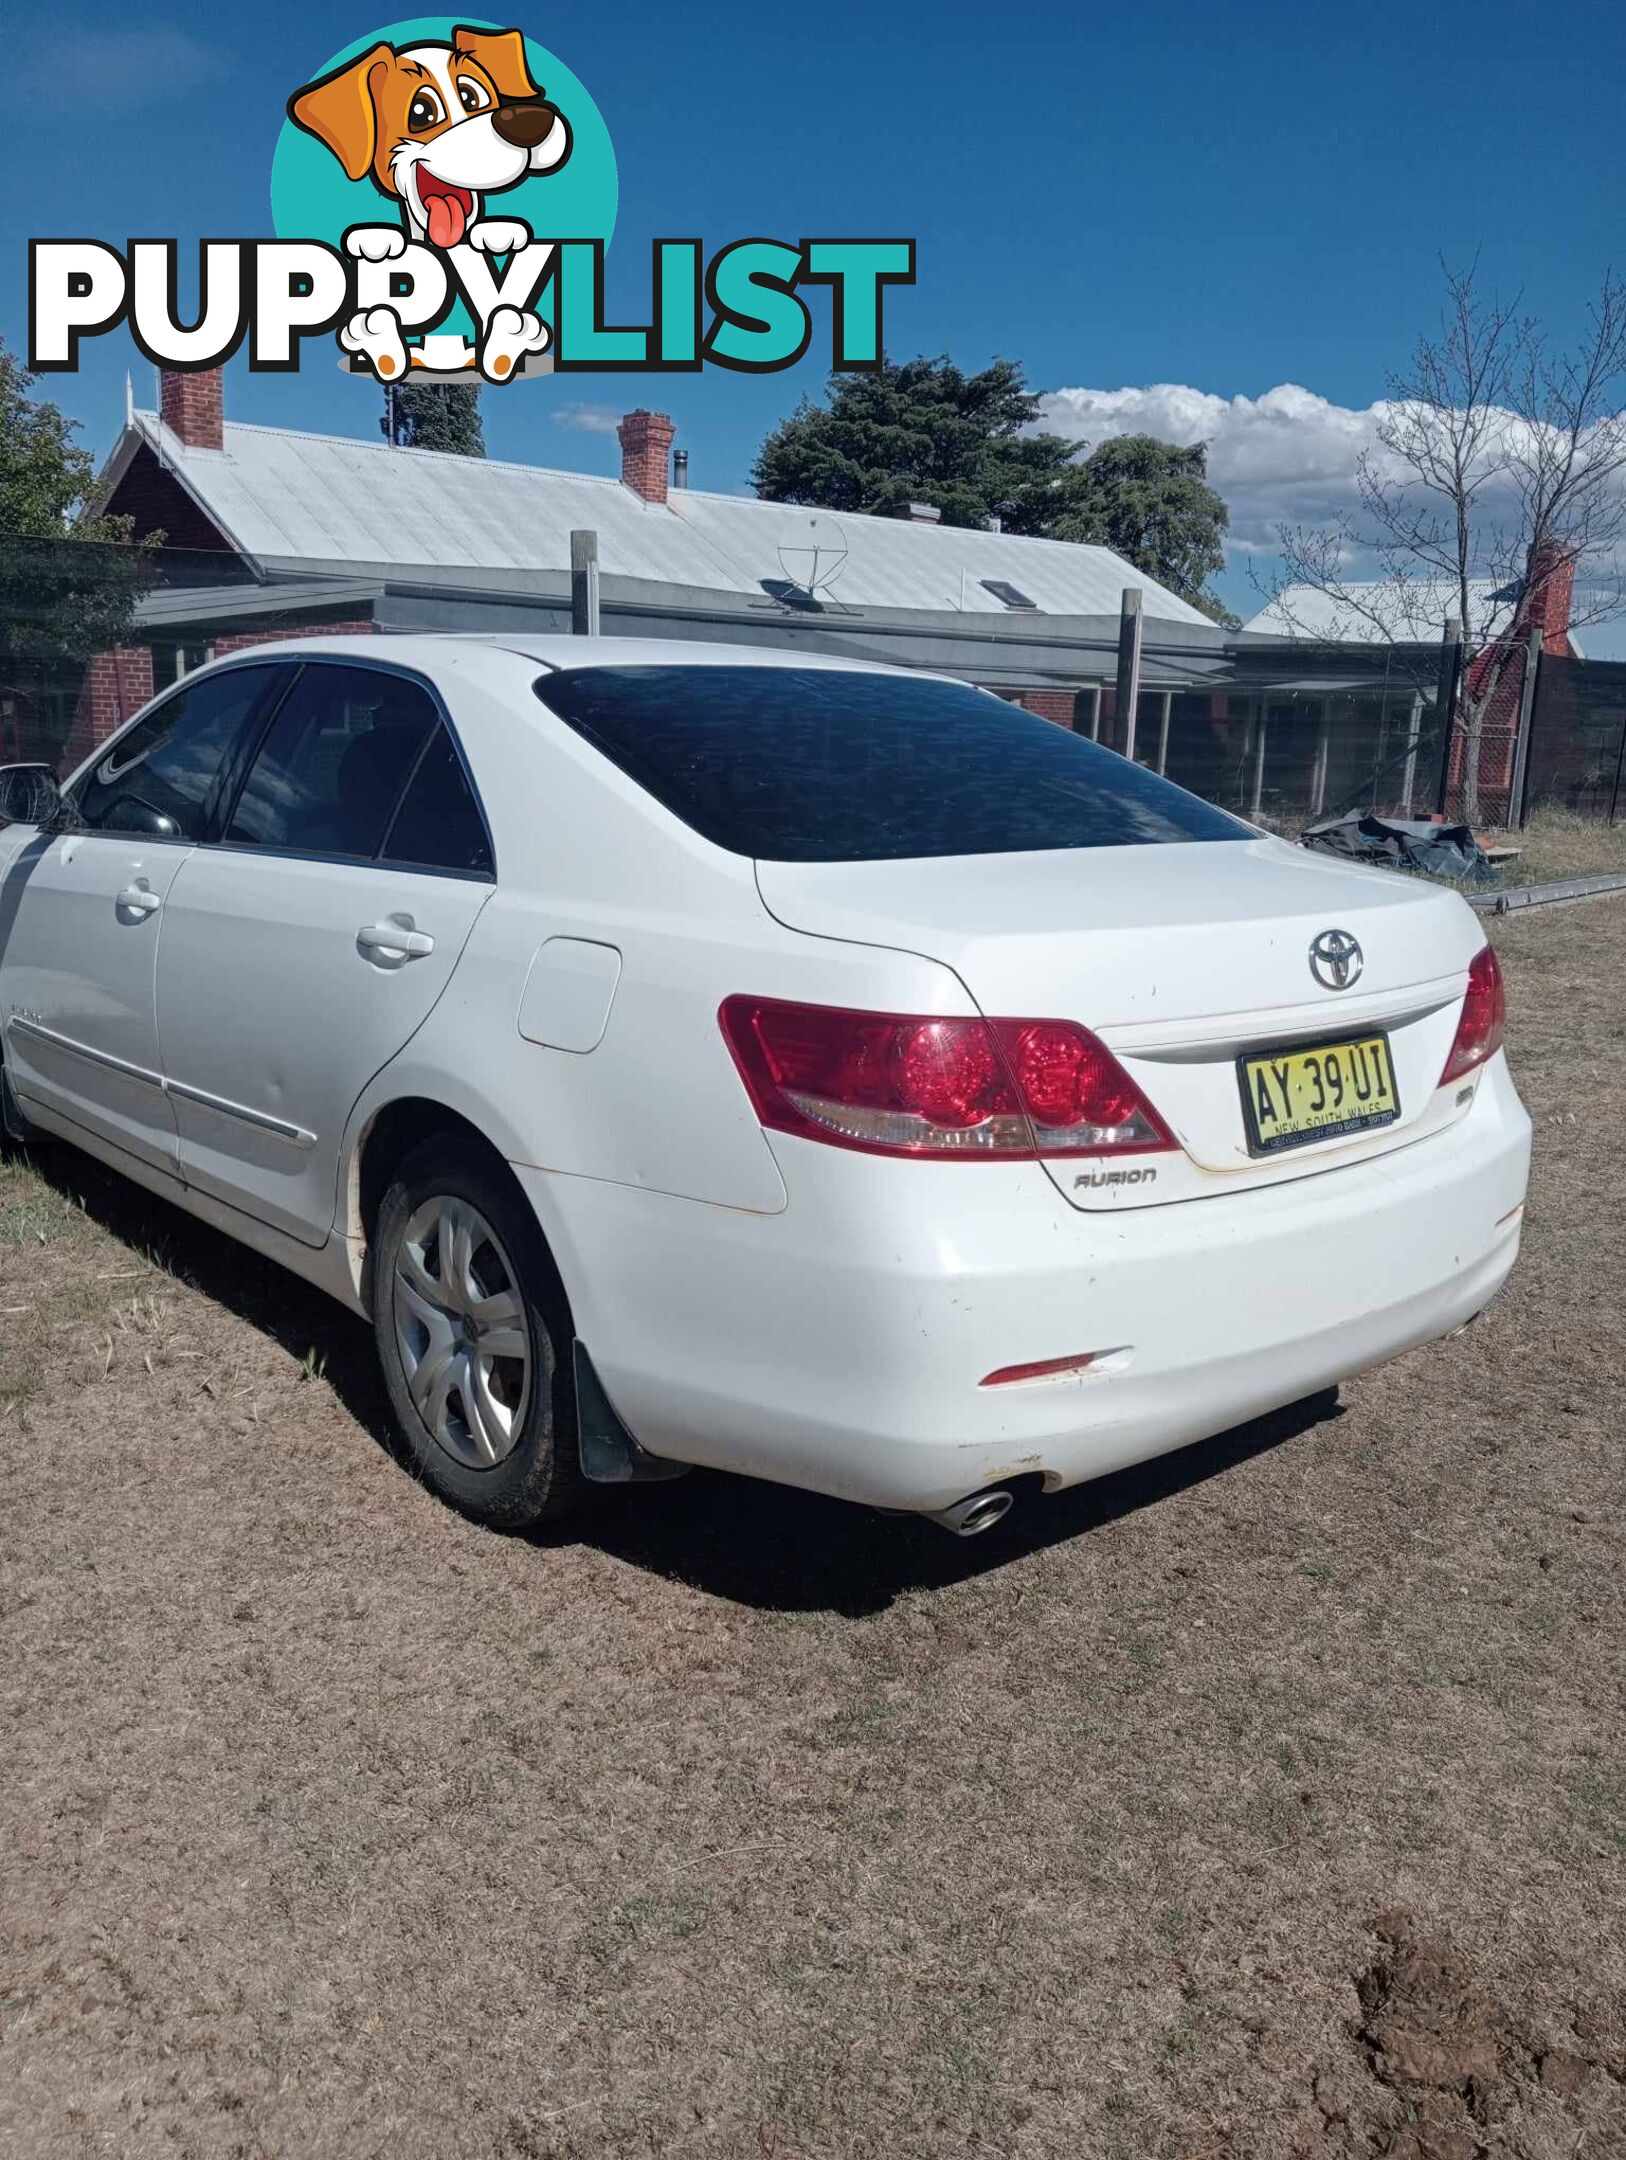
x=394, y=941
x=137, y=900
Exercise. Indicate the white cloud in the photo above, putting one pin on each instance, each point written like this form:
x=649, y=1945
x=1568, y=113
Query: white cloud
x=1290, y=458
x=588, y=419
x=1286, y=458
x=149, y=64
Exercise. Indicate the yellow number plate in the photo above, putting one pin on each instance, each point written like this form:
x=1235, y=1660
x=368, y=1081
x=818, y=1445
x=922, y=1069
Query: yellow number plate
x=1291, y=1097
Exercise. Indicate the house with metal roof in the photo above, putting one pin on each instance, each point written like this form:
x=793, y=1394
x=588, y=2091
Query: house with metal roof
x=273, y=531
x=283, y=528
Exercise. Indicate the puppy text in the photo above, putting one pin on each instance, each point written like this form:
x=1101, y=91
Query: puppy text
x=383, y=292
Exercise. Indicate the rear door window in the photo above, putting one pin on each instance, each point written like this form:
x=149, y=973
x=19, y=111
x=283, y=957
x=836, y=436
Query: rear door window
x=829, y=765
x=334, y=764
x=439, y=826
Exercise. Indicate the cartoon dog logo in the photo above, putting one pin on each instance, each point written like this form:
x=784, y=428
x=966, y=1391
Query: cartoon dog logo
x=438, y=128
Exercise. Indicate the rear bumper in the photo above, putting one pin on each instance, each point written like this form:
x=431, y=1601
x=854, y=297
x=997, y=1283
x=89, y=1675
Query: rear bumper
x=839, y=1345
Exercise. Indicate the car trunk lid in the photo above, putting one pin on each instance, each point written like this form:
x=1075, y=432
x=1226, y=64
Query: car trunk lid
x=1183, y=959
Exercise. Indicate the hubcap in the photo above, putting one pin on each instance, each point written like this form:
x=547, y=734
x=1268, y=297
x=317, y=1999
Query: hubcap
x=461, y=1331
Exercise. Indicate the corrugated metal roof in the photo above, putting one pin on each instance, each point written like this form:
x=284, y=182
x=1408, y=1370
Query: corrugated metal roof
x=1380, y=613
x=166, y=606
x=330, y=500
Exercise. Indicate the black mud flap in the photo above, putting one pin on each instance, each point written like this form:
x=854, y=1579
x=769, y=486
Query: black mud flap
x=610, y=1455
x=14, y=1123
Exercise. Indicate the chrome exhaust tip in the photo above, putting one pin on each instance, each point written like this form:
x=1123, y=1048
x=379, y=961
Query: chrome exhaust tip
x=969, y=1518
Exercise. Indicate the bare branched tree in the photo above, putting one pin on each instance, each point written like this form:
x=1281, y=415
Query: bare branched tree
x=1499, y=465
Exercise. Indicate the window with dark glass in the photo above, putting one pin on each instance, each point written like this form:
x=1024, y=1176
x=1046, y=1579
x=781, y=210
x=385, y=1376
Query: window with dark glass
x=159, y=777
x=835, y=765
x=334, y=762
x=438, y=825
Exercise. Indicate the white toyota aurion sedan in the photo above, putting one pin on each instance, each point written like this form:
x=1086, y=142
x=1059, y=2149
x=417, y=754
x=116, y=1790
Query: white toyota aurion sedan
x=702, y=1054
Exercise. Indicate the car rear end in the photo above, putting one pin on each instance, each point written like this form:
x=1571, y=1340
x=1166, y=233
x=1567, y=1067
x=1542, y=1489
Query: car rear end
x=1189, y=1125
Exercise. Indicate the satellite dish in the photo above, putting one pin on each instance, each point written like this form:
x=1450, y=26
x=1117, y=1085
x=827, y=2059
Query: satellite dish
x=815, y=556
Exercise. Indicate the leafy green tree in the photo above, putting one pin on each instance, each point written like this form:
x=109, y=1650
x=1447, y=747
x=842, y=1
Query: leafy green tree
x=917, y=431
x=45, y=477
x=439, y=416
x=1151, y=503
x=69, y=581
x=925, y=431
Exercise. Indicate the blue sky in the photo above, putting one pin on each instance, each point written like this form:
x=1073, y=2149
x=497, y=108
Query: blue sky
x=1173, y=195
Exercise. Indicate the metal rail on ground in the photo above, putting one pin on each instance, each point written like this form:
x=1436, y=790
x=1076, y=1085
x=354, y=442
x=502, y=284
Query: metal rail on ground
x=1527, y=896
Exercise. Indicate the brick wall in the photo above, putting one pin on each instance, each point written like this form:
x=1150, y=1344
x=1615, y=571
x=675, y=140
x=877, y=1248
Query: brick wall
x=120, y=681
x=117, y=683
x=646, y=452
x=1552, y=595
x=1548, y=599
x=1498, y=733
x=1058, y=705
x=240, y=641
x=194, y=407
x=1061, y=706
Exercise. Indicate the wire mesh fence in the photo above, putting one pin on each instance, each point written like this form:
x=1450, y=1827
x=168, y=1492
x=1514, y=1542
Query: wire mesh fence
x=1287, y=753
x=1576, y=759
x=1286, y=733
x=1531, y=732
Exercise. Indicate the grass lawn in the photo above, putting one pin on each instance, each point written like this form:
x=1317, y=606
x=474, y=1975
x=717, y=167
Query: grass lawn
x=1264, y=1802
x=1557, y=844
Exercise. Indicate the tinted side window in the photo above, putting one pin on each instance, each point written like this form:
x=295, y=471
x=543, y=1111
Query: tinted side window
x=438, y=823
x=835, y=765
x=330, y=771
x=158, y=778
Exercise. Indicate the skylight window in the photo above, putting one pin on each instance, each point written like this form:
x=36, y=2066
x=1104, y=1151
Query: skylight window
x=1008, y=595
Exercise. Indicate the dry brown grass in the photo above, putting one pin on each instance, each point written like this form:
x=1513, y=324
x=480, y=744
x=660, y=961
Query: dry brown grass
x=1267, y=1802
x=1558, y=844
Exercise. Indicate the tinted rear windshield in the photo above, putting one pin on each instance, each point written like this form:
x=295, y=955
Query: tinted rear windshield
x=821, y=765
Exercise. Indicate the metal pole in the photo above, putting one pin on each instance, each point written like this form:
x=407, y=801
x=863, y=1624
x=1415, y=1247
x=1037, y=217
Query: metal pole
x=1131, y=629
x=1527, y=714
x=1163, y=732
x=1318, y=774
x=1620, y=765
x=1414, y=728
x=584, y=584
x=1445, y=701
x=1095, y=712
x=1259, y=761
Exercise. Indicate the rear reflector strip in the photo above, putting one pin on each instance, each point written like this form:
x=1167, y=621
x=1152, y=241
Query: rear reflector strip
x=1044, y=1369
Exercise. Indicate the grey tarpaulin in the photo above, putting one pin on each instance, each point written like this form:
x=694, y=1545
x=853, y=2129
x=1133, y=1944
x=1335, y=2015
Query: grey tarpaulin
x=1403, y=844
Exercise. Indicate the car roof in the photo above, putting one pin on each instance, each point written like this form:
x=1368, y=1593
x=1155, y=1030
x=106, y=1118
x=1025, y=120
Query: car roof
x=574, y=652
x=559, y=650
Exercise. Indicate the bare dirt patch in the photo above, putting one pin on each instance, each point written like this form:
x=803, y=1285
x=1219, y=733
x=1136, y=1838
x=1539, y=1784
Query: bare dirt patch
x=1264, y=1802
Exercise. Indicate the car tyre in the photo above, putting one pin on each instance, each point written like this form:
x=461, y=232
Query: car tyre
x=475, y=1338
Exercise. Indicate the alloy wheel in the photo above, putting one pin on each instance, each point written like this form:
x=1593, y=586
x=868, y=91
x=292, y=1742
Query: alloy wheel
x=462, y=1331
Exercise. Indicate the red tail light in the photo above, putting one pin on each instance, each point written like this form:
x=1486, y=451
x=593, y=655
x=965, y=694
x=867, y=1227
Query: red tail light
x=1484, y=1009
x=907, y=1084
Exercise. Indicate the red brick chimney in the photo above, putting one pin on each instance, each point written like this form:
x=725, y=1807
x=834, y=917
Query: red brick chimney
x=1551, y=590
x=194, y=408
x=646, y=445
